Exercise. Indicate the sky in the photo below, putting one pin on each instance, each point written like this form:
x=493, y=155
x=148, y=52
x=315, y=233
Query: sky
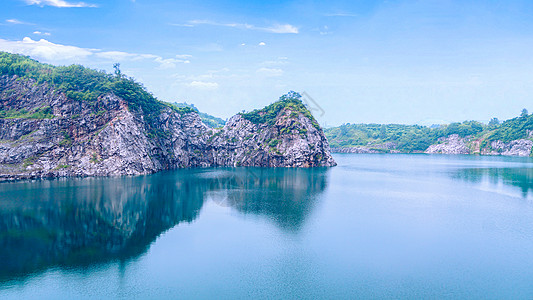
x=410, y=62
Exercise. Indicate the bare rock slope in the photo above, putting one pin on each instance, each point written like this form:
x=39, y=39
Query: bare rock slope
x=45, y=133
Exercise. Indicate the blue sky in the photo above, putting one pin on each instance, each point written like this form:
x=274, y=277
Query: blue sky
x=362, y=61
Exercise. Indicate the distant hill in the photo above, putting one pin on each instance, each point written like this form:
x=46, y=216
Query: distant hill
x=469, y=136
x=406, y=138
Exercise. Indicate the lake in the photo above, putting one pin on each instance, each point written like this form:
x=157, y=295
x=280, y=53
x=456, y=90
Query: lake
x=375, y=226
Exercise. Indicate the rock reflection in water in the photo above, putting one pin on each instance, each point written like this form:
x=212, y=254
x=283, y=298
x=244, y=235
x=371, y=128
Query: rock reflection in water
x=82, y=222
x=284, y=195
x=521, y=178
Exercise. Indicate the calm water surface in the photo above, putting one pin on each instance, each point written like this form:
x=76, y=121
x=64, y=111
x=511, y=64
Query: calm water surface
x=376, y=226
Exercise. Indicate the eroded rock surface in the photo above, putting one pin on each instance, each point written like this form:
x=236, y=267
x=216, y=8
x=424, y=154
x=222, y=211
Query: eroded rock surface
x=117, y=140
x=452, y=144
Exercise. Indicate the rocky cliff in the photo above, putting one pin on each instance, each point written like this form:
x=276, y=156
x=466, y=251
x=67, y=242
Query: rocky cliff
x=48, y=131
x=452, y=144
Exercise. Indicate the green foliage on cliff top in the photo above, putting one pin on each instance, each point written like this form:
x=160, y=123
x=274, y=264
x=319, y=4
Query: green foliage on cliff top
x=208, y=119
x=512, y=129
x=268, y=115
x=84, y=84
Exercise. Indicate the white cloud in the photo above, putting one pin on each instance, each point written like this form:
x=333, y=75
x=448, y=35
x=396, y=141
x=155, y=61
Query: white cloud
x=203, y=85
x=169, y=63
x=41, y=33
x=164, y=63
x=270, y=72
x=59, y=3
x=285, y=28
x=45, y=49
x=262, y=44
x=17, y=22
x=324, y=30
x=183, y=56
x=277, y=28
x=51, y=52
x=118, y=55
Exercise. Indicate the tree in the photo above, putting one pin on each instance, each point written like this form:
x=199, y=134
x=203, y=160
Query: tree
x=344, y=130
x=494, y=122
x=291, y=95
x=383, y=131
x=524, y=113
x=118, y=73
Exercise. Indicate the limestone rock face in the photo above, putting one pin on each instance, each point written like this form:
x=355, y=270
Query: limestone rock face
x=452, y=144
x=117, y=140
x=519, y=147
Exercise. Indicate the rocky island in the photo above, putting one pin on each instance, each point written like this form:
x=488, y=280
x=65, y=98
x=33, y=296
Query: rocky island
x=74, y=121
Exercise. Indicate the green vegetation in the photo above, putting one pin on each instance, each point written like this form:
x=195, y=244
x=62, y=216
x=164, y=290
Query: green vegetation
x=267, y=115
x=94, y=159
x=273, y=143
x=59, y=167
x=413, y=138
x=208, y=119
x=512, y=129
x=67, y=140
x=39, y=113
x=408, y=138
x=28, y=162
x=84, y=84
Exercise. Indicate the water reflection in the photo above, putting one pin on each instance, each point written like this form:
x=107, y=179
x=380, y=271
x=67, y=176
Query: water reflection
x=81, y=222
x=500, y=179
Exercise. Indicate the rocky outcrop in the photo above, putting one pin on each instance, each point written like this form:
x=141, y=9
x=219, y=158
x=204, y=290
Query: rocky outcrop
x=452, y=144
x=521, y=147
x=107, y=137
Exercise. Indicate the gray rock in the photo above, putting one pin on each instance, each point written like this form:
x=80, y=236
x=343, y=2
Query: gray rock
x=519, y=147
x=453, y=144
x=118, y=141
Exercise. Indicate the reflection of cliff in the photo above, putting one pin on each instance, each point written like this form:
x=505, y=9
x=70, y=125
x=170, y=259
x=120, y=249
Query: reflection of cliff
x=518, y=177
x=80, y=222
x=284, y=195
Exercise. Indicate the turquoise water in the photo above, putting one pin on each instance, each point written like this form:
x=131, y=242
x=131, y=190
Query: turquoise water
x=375, y=226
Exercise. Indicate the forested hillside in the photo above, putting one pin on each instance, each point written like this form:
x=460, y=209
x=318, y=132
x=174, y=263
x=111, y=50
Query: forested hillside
x=416, y=138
